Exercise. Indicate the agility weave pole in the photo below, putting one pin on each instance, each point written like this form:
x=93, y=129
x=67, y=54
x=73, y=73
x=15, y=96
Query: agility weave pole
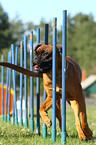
x=64, y=46
x=45, y=95
x=31, y=84
x=14, y=61
x=38, y=92
x=21, y=83
x=53, y=133
x=2, y=77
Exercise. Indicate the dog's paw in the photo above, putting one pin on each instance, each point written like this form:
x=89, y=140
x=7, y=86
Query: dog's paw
x=45, y=118
x=47, y=121
x=82, y=137
x=49, y=124
x=87, y=131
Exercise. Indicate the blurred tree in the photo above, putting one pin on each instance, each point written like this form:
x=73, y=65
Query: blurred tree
x=42, y=31
x=17, y=30
x=81, y=36
x=29, y=26
x=82, y=41
x=5, y=33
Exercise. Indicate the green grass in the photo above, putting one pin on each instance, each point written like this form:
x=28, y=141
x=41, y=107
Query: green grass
x=11, y=134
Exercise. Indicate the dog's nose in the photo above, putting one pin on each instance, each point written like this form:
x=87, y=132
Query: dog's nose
x=36, y=61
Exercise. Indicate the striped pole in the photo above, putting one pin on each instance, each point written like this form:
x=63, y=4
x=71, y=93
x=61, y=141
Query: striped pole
x=25, y=82
x=38, y=92
x=53, y=133
x=9, y=85
x=64, y=45
x=2, y=76
x=45, y=95
x=21, y=82
x=31, y=84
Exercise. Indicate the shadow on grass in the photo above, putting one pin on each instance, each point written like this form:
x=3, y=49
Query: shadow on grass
x=94, y=138
x=21, y=134
x=73, y=136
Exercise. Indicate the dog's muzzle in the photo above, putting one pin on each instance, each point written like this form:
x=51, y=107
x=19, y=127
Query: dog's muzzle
x=41, y=66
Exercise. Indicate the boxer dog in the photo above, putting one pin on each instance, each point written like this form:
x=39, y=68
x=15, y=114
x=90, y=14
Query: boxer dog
x=42, y=63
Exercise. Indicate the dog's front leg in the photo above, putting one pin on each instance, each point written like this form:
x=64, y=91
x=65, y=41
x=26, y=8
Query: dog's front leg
x=43, y=111
x=46, y=106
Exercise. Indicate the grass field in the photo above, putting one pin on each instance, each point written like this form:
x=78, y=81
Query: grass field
x=15, y=135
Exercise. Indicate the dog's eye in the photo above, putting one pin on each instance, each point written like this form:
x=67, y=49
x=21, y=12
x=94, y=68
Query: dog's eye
x=45, y=53
x=42, y=51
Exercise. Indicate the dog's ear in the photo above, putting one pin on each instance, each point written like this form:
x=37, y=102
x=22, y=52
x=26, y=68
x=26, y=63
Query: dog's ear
x=59, y=48
x=38, y=45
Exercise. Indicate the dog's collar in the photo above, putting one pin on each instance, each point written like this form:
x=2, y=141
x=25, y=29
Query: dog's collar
x=67, y=64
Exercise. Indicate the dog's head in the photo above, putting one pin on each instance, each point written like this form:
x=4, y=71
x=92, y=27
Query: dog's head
x=43, y=58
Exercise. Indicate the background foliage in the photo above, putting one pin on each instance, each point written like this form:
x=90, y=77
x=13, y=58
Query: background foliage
x=81, y=36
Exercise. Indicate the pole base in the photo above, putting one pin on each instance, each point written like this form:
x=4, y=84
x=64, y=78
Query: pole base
x=2, y=118
x=26, y=123
x=38, y=129
x=63, y=138
x=8, y=119
x=45, y=132
x=32, y=125
x=53, y=135
x=16, y=121
x=5, y=118
x=13, y=120
x=21, y=122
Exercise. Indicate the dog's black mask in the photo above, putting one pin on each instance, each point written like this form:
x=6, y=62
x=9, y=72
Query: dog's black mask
x=42, y=61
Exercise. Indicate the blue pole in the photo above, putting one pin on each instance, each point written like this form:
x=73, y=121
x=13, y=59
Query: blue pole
x=16, y=62
x=25, y=82
x=31, y=84
x=16, y=59
x=14, y=86
x=21, y=82
x=64, y=45
x=9, y=85
x=53, y=135
x=45, y=95
x=46, y=33
x=38, y=92
x=2, y=76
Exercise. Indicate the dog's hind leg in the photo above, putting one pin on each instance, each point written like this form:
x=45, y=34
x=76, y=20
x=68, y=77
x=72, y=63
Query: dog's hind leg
x=79, y=106
x=75, y=108
x=84, y=123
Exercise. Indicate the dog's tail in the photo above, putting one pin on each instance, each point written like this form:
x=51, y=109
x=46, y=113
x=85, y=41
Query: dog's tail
x=20, y=69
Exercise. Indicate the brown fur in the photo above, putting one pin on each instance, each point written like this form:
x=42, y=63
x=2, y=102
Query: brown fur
x=74, y=94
